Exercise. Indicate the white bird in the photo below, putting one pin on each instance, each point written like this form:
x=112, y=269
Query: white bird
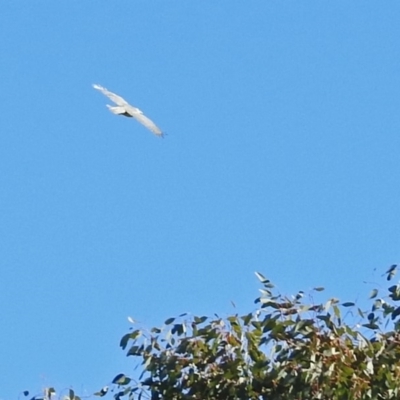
x=124, y=108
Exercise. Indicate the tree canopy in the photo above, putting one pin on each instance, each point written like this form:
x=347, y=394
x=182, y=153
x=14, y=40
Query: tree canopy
x=288, y=348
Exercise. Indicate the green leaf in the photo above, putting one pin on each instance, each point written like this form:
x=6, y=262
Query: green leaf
x=124, y=341
x=325, y=318
x=392, y=289
x=121, y=379
x=396, y=313
x=134, y=351
x=371, y=325
x=336, y=311
x=247, y=318
x=129, y=336
x=200, y=320
x=233, y=319
x=351, y=332
x=319, y=289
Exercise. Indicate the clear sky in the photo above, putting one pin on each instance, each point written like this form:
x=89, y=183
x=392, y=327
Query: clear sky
x=282, y=156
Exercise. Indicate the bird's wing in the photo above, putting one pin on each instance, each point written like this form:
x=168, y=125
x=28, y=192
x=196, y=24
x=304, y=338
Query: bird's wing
x=115, y=98
x=148, y=123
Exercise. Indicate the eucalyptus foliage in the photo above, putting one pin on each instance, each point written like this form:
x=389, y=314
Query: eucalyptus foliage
x=288, y=348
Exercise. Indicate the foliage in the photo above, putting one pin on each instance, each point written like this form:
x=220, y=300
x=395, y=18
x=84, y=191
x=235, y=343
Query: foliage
x=49, y=393
x=286, y=349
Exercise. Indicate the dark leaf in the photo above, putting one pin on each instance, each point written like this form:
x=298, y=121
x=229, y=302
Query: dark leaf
x=391, y=272
x=129, y=336
x=135, y=351
x=124, y=341
x=396, y=313
x=247, y=318
x=392, y=289
x=200, y=320
x=371, y=316
x=371, y=326
x=121, y=379
x=178, y=328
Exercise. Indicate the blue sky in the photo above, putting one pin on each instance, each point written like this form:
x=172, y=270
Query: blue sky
x=282, y=156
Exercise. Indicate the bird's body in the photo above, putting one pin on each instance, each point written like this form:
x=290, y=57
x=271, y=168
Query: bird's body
x=125, y=109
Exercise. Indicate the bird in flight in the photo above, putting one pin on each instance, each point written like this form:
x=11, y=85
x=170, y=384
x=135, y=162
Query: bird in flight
x=124, y=108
